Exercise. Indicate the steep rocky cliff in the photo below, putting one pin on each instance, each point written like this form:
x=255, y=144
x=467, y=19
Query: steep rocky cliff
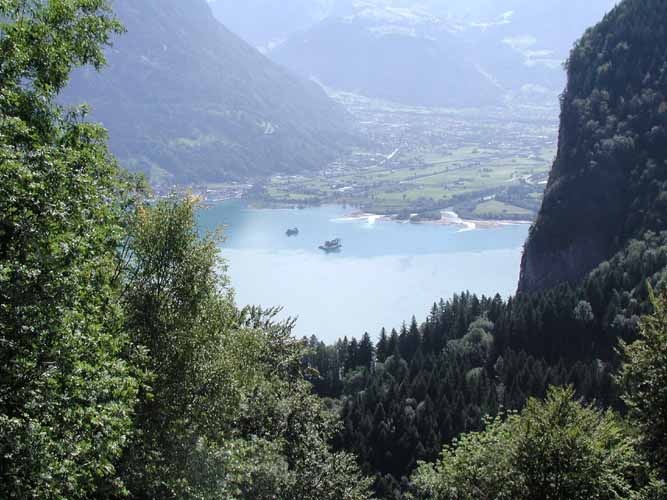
x=609, y=180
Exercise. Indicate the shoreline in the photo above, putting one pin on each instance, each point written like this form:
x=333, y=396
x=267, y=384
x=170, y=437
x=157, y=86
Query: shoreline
x=449, y=218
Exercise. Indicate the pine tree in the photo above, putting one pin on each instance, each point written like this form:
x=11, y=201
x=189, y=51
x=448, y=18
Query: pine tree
x=366, y=353
x=383, y=347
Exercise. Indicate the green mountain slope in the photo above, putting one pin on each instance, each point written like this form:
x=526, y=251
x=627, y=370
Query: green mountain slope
x=184, y=99
x=609, y=180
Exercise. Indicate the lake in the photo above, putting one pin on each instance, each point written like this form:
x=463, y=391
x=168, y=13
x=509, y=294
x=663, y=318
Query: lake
x=385, y=273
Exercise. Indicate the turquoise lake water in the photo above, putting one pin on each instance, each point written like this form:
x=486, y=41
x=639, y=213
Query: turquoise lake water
x=386, y=272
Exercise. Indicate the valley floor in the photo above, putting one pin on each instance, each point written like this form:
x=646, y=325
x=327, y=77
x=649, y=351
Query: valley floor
x=485, y=164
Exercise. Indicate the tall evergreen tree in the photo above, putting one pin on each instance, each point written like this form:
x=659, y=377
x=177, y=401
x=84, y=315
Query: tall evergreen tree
x=366, y=353
x=644, y=377
x=383, y=346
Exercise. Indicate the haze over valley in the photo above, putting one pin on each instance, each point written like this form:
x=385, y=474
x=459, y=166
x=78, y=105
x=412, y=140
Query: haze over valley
x=396, y=108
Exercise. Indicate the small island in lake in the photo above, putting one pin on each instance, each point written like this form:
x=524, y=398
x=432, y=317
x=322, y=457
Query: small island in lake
x=332, y=246
x=292, y=232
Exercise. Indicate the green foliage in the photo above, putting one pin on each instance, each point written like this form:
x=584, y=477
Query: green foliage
x=477, y=466
x=41, y=41
x=554, y=449
x=476, y=344
x=644, y=377
x=67, y=384
x=227, y=413
x=175, y=310
x=126, y=368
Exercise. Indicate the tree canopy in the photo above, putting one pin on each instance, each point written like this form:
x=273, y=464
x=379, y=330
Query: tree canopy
x=126, y=368
x=644, y=377
x=554, y=449
x=68, y=389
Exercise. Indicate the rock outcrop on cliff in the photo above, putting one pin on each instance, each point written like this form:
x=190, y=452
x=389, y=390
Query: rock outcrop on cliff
x=609, y=180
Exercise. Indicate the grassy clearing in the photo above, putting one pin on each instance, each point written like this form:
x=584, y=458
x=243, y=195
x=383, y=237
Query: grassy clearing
x=494, y=209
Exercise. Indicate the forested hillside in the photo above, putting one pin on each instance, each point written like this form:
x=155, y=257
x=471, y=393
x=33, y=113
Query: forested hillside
x=185, y=100
x=421, y=386
x=609, y=180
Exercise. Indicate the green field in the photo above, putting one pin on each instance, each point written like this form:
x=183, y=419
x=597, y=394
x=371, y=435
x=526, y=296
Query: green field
x=497, y=209
x=469, y=179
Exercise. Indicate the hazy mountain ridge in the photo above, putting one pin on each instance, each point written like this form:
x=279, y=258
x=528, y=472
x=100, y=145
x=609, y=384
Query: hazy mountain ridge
x=471, y=53
x=184, y=99
x=391, y=50
x=392, y=55
x=262, y=25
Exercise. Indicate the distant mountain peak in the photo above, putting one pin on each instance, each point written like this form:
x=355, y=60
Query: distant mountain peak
x=395, y=15
x=502, y=20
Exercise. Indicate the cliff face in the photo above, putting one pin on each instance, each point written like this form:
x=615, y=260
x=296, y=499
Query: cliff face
x=609, y=180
